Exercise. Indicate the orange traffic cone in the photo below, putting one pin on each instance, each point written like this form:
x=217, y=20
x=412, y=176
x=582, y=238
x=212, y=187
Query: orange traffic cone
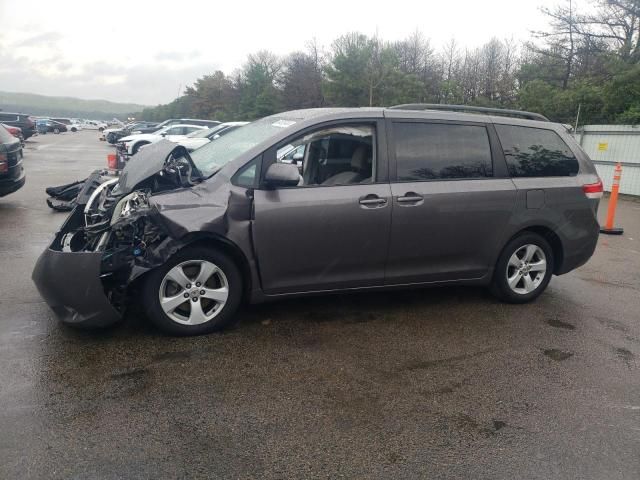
x=613, y=202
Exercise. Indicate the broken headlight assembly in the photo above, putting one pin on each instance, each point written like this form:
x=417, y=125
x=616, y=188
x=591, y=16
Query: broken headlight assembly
x=135, y=202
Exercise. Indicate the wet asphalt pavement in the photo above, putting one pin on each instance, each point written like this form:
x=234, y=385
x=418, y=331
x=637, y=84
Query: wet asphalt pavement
x=438, y=383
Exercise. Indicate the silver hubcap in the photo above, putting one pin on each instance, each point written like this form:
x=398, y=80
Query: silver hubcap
x=526, y=269
x=194, y=292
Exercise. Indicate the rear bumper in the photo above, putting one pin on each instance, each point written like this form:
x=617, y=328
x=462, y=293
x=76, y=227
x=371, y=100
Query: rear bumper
x=580, y=248
x=70, y=284
x=10, y=185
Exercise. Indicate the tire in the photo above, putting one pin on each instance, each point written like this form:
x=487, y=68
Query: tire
x=111, y=138
x=167, y=282
x=56, y=131
x=521, y=262
x=74, y=129
x=100, y=129
x=137, y=146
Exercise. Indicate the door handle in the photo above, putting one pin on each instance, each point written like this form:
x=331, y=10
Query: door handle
x=411, y=198
x=372, y=201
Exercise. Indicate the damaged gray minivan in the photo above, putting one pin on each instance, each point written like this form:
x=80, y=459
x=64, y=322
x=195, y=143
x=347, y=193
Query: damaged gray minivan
x=368, y=199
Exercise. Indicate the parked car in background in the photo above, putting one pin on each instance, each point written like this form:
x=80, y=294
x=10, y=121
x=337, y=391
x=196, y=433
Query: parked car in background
x=93, y=125
x=46, y=125
x=12, y=176
x=387, y=198
x=15, y=131
x=196, y=140
x=112, y=135
x=56, y=127
x=176, y=121
x=42, y=125
x=131, y=144
x=25, y=122
x=71, y=125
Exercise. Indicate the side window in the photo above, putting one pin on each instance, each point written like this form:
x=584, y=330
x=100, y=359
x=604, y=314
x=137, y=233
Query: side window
x=340, y=155
x=536, y=152
x=292, y=154
x=246, y=176
x=434, y=151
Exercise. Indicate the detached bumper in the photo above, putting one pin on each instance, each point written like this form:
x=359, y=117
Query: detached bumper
x=70, y=284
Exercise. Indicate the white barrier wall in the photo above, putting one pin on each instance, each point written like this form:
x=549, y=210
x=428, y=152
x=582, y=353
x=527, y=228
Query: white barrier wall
x=610, y=144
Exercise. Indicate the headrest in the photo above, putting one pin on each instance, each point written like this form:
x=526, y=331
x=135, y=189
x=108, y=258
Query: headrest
x=360, y=159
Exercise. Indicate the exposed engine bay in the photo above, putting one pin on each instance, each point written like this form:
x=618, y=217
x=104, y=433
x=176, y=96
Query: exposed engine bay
x=113, y=216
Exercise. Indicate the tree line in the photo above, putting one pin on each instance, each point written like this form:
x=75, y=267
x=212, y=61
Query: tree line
x=583, y=61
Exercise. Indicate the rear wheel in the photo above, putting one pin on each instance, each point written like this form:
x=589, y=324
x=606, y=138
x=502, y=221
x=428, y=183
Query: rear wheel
x=56, y=130
x=524, y=269
x=74, y=129
x=197, y=291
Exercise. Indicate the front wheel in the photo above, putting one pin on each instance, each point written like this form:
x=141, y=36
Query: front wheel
x=197, y=291
x=56, y=131
x=524, y=269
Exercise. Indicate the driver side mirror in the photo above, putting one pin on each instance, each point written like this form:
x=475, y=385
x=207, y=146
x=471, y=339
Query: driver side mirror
x=281, y=175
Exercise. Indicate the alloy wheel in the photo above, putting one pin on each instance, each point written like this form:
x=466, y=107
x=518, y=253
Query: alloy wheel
x=526, y=269
x=194, y=292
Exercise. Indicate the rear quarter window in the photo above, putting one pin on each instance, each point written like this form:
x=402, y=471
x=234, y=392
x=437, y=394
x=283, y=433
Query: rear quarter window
x=536, y=152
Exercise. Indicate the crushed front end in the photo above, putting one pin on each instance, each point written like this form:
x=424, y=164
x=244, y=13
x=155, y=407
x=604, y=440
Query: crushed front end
x=110, y=238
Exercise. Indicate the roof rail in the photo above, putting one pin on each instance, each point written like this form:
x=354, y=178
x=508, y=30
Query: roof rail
x=469, y=108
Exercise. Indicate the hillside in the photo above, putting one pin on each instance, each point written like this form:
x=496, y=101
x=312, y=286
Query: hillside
x=64, y=106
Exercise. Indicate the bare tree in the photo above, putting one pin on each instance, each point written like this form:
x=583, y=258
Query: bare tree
x=561, y=40
x=616, y=22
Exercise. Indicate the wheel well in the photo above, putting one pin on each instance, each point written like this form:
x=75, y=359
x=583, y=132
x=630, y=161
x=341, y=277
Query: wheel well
x=230, y=249
x=136, y=146
x=554, y=241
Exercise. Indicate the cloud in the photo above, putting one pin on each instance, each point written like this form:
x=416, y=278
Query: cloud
x=178, y=56
x=148, y=84
x=47, y=38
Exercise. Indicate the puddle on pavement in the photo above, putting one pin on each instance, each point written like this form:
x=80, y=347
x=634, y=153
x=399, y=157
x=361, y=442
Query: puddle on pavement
x=554, y=322
x=626, y=356
x=557, y=355
x=498, y=425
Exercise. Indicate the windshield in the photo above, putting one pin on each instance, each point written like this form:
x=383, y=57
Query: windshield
x=213, y=156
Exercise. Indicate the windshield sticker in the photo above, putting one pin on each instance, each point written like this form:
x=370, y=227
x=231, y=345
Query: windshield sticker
x=283, y=123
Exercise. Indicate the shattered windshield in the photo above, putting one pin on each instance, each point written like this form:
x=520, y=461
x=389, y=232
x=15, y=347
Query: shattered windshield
x=213, y=156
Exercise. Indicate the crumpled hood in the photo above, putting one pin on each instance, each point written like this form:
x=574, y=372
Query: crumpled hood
x=146, y=163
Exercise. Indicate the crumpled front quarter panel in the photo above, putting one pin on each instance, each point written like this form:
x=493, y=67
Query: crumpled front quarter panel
x=199, y=208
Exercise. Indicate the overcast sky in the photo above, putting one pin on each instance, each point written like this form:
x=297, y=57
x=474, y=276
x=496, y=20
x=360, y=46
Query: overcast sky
x=145, y=51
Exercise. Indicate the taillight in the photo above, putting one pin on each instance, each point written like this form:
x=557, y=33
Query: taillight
x=593, y=190
x=112, y=162
x=4, y=164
